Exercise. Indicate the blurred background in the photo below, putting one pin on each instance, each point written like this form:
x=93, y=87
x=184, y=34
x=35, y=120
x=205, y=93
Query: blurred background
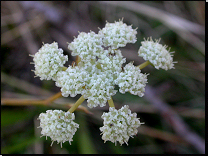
x=173, y=107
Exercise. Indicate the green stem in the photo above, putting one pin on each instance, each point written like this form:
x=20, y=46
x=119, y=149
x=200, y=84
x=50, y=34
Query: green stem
x=110, y=102
x=79, y=102
x=141, y=66
x=78, y=59
x=64, y=68
x=98, y=66
x=53, y=98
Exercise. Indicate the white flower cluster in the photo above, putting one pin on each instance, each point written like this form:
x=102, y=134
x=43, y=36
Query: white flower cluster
x=132, y=80
x=95, y=76
x=102, y=66
x=58, y=125
x=119, y=125
x=87, y=46
x=157, y=54
x=71, y=81
x=118, y=34
x=48, y=61
x=113, y=62
x=99, y=89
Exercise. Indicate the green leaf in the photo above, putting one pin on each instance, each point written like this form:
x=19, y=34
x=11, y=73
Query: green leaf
x=85, y=143
x=18, y=147
x=9, y=117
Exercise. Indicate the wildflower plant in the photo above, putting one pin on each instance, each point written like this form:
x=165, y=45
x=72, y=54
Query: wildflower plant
x=98, y=68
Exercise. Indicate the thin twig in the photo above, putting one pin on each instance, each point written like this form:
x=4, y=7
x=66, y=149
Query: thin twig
x=14, y=33
x=27, y=37
x=172, y=118
x=166, y=136
x=21, y=102
x=52, y=98
x=23, y=85
x=26, y=102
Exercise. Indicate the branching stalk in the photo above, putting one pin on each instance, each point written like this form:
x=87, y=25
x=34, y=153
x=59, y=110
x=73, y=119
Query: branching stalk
x=141, y=66
x=110, y=102
x=79, y=102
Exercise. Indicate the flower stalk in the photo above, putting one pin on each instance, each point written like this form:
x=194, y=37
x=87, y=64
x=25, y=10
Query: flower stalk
x=53, y=98
x=110, y=102
x=64, y=68
x=79, y=102
x=141, y=66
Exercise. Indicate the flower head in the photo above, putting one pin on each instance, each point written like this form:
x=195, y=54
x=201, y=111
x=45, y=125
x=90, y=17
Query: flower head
x=119, y=125
x=157, y=54
x=132, y=80
x=71, y=81
x=58, y=125
x=112, y=62
x=48, y=61
x=99, y=89
x=118, y=34
x=87, y=46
